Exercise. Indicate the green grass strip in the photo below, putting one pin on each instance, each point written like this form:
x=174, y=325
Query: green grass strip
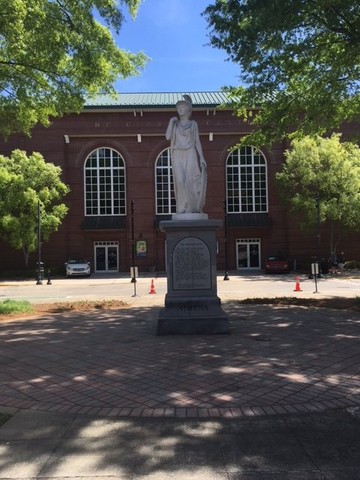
x=7, y=307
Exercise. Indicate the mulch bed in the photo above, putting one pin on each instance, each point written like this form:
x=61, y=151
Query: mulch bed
x=41, y=309
x=339, y=303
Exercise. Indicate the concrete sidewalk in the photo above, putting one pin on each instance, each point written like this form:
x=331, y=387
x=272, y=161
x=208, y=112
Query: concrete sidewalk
x=99, y=396
x=322, y=446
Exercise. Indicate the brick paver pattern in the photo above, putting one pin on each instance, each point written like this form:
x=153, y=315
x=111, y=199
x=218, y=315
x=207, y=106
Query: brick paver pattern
x=277, y=359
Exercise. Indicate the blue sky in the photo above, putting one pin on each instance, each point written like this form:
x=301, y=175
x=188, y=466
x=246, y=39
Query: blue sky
x=174, y=35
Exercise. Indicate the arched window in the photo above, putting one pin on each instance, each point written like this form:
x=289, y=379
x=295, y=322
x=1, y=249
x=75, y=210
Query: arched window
x=246, y=181
x=164, y=185
x=104, y=176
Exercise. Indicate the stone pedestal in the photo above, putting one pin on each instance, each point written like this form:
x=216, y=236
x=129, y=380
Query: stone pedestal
x=191, y=303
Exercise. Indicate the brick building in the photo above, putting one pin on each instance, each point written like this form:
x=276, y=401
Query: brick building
x=115, y=158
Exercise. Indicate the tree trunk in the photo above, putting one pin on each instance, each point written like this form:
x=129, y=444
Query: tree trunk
x=26, y=257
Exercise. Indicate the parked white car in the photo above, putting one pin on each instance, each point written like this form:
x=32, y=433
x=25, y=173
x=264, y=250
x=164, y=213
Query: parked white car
x=77, y=267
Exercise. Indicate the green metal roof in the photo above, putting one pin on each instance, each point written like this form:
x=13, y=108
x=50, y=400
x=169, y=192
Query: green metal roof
x=155, y=100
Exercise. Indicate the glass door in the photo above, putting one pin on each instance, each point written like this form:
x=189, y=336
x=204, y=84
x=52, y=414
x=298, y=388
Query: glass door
x=248, y=253
x=100, y=259
x=112, y=258
x=106, y=256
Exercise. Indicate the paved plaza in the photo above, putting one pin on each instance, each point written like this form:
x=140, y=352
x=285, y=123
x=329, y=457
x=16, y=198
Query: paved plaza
x=98, y=395
x=277, y=359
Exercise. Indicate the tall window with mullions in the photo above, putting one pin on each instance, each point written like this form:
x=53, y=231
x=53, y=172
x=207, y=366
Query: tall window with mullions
x=164, y=185
x=246, y=181
x=104, y=177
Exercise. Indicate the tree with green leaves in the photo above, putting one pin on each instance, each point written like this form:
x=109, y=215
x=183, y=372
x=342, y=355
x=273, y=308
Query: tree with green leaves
x=54, y=53
x=26, y=182
x=323, y=172
x=300, y=63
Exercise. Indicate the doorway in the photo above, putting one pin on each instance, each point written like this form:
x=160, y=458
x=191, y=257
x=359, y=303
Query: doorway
x=106, y=256
x=248, y=253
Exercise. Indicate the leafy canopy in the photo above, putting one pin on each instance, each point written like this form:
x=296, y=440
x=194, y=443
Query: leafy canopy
x=24, y=182
x=53, y=53
x=300, y=61
x=325, y=169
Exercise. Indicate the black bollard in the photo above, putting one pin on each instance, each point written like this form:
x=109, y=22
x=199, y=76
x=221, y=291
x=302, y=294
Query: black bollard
x=49, y=277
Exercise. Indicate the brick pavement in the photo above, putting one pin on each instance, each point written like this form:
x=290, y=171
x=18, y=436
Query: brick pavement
x=276, y=360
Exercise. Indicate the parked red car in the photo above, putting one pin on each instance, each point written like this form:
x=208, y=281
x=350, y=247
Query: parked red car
x=277, y=264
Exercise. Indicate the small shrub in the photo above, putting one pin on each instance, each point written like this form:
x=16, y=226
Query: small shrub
x=352, y=265
x=272, y=301
x=7, y=307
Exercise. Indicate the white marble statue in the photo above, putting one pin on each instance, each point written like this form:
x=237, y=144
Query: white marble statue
x=187, y=159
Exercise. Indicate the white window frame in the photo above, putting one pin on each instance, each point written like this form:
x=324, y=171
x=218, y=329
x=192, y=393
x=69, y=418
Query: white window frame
x=108, y=197
x=248, y=242
x=164, y=185
x=106, y=244
x=246, y=181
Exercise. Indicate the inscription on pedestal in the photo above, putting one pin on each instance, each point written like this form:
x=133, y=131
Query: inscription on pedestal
x=191, y=265
x=193, y=307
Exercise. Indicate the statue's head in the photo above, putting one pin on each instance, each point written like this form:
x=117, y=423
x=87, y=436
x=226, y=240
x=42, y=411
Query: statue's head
x=186, y=102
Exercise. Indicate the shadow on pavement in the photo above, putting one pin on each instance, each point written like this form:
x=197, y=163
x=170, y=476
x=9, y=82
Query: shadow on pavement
x=104, y=397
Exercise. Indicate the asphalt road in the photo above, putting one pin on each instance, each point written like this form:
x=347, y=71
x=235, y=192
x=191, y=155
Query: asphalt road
x=119, y=287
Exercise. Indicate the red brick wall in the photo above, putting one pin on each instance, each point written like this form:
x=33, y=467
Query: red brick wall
x=119, y=130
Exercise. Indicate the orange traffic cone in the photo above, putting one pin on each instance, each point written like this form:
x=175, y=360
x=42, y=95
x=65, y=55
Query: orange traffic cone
x=152, y=287
x=297, y=285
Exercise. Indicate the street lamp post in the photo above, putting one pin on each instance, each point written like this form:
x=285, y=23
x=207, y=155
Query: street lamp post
x=133, y=273
x=317, y=198
x=226, y=275
x=38, y=279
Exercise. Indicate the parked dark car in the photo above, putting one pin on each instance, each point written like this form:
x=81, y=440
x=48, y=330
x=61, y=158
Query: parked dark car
x=277, y=264
x=77, y=267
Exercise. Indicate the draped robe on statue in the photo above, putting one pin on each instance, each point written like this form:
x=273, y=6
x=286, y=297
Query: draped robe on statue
x=189, y=182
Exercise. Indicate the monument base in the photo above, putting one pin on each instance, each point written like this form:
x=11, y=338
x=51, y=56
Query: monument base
x=189, y=216
x=191, y=303
x=192, y=316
